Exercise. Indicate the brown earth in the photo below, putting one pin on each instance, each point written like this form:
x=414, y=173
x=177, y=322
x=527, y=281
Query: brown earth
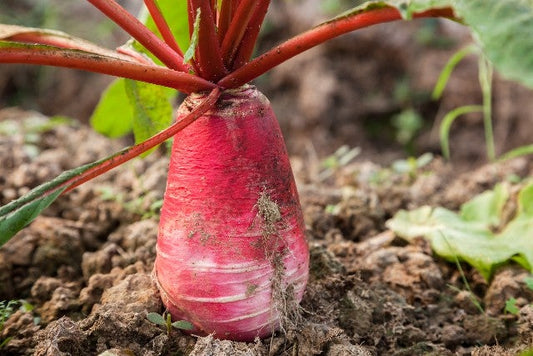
x=85, y=264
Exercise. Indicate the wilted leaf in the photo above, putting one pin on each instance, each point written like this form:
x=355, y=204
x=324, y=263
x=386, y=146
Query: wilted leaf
x=474, y=234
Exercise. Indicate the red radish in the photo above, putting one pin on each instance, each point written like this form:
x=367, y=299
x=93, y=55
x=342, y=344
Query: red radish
x=231, y=253
x=231, y=234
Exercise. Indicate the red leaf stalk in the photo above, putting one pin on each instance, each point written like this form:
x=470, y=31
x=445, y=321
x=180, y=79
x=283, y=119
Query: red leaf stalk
x=209, y=58
x=141, y=33
x=246, y=48
x=224, y=18
x=162, y=26
x=236, y=30
x=134, y=151
x=42, y=55
x=314, y=37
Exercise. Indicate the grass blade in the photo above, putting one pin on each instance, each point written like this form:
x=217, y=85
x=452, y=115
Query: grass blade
x=517, y=152
x=485, y=81
x=448, y=69
x=447, y=121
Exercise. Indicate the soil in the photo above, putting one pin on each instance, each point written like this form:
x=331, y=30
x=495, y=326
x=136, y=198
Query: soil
x=85, y=264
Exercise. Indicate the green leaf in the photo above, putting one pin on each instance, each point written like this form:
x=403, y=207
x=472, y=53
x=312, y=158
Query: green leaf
x=156, y=318
x=529, y=282
x=152, y=110
x=474, y=234
x=189, y=54
x=176, y=16
x=505, y=31
x=510, y=306
x=12, y=223
x=112, y=117
x=517, y=152
x=182, y=324
x=406, y=7
x=115, y=116
x=486, y=207
x=409, y=7
x=20, y=212
x=449, y=67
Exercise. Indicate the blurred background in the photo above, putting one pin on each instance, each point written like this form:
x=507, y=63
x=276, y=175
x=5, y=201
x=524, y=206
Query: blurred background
x=370, y=89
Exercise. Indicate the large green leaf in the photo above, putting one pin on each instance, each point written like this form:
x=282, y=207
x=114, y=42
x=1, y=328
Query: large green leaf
x=152, y=110
x=475, y=234
x=504, y=28
x=146, y=108
x=132, y=105
x=175, y=13
x=111, y=117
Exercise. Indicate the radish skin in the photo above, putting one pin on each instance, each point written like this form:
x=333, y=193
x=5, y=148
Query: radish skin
x=231, y=252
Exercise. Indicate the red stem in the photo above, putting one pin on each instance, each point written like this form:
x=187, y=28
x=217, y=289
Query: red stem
x=314, y=37
x=162, y=26
x=69, y=43
x=134, y=151
x=141, y=33
x=236, y=30
x=208, y=54
x=75, y=59
x=191, y=16
x=224, y=18
x=246, y=48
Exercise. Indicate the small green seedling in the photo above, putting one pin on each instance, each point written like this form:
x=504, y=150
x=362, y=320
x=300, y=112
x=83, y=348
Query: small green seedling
x=31, y=129
x=529, y=282
x=340, y=158
x=166, y=321
x=8, y=308
x=471, y=294
x=135, y=206
x=510, y=306
x=411, y=165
